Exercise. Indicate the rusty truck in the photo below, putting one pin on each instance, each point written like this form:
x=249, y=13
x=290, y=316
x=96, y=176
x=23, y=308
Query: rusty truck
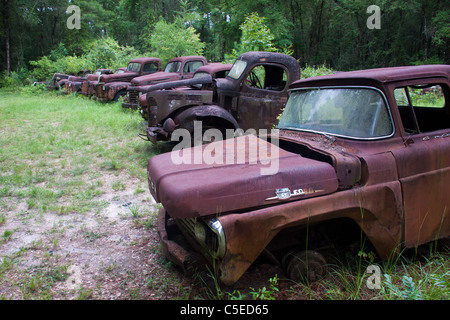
x=358, y=157
x=177, y=68
x=250, y=96
x=74, y=83
x=88, y=85
x=112, y=87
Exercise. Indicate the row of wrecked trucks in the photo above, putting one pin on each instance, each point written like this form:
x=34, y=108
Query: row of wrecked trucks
x=191, y=88
x=360, y=155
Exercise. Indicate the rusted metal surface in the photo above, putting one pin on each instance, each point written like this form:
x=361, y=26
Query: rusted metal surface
x=394, y=188
x=252, y=103
x=74, y=83
x=214, y=70
x=112, y=86
x=87, y=87
x=184, y=69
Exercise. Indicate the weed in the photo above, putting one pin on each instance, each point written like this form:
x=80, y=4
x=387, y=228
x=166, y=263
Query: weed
x=6, y=235
x=118, y=186
x=266, y=294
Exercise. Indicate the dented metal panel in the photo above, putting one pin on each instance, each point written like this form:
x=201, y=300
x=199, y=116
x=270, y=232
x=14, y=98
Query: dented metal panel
x=395, y=188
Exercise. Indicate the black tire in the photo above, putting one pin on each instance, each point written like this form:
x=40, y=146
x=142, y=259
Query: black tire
x=305, y=266
x=119, y=95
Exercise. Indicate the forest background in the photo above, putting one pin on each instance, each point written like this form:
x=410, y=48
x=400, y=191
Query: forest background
x=36, y=39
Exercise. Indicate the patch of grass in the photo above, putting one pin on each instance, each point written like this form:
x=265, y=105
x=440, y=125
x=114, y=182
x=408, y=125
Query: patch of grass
x=6, y=235
x=118, y=186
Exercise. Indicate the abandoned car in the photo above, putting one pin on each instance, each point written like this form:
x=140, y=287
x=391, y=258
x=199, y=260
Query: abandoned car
x=176, y=69
x=74, y=83
x=250, y=96
x=361, y=153
x=207, y=73
x=111, y=87
x=59, y=80
x=88, y=86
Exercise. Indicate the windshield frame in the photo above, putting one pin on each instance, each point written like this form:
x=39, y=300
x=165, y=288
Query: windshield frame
x=383, y=96
x=239, y=63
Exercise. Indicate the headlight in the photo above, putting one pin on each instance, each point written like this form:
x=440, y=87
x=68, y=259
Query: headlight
x=208, y=234
x=216, y=240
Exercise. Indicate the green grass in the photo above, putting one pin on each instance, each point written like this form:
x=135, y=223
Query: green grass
x=54, y=152
x=63, y=160
x=54, y=148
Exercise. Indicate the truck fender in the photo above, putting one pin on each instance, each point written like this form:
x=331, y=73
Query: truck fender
x=209, y=114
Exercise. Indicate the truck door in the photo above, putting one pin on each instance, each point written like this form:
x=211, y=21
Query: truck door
x=424, y=163
x=263, y=95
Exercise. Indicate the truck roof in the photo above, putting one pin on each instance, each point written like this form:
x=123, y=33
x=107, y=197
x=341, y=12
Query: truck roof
x=183, y=58
x=214, y=67
x=143, y=60
x=380, y=75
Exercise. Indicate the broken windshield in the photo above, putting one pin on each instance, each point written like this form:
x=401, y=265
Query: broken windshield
x=347, y=112
x=173, y=66
x=134, y=67
x=237, y=69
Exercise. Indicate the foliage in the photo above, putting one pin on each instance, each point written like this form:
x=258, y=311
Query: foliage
x=15, y=79
x=170, y=40
x=256, y=36
x=314, y=71
x=264, y=293
x=315, y=32
x=102, y=53
x=107, y=53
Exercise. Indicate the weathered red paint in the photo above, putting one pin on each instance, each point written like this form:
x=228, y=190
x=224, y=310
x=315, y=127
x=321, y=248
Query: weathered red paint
x=187, y=66
x=237, y=101
x=112, y=86
x=74, y=83
x=394, y=188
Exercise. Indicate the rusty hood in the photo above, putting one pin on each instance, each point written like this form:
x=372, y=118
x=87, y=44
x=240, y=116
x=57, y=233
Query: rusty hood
x=253, y=173
x=156, y=77
x=127, y=76
x=92, y=77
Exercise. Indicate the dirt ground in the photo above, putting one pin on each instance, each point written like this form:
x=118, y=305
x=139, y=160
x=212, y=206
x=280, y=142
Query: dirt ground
x=108, y=253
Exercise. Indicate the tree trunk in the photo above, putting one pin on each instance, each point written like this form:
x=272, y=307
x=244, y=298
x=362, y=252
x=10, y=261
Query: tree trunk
x=6, y=28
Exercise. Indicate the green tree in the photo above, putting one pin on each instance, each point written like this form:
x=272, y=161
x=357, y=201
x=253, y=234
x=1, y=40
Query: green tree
x=256, y=36
x=170, y=40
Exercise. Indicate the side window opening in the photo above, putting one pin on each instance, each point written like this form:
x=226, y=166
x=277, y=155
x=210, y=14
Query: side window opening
x=150, y=67
x=267, y=77
x=191, y=66
x=423, y=107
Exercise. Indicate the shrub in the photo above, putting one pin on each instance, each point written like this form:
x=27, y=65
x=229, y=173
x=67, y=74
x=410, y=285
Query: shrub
x=314, y=71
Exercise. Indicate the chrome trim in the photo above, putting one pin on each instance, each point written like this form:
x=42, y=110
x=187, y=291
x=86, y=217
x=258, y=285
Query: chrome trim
x=215, y=225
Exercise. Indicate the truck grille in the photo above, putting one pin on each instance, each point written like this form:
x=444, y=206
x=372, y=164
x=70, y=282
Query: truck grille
x=99, y=91
x=152, y=110
x=84, y=87
x=133, y=96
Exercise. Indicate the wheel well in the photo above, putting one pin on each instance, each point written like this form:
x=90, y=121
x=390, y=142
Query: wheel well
x=208, y=121
x=334, y=235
